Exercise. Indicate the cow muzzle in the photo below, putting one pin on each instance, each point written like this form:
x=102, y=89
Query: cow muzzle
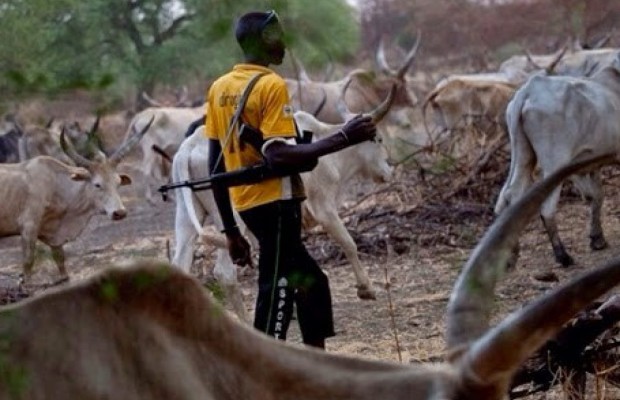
x=119, y=214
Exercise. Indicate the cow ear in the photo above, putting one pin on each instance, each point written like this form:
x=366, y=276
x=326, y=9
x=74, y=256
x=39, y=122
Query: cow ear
x=80, y=174
x=125, y=180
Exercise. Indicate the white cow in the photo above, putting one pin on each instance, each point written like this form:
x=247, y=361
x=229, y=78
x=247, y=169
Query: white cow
x=365, y=90
x=586, y=62
x=324, y=186
x=44, y=199
x=152, y=332
x=166, y=132
x=553, y=120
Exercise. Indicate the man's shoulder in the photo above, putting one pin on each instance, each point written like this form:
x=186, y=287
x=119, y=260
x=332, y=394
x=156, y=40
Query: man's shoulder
x=272, y=82
x=222, y=79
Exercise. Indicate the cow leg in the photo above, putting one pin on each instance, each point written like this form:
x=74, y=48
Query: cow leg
x=548, y=218
x=28, y=251
x=58, y=255
x=336, y=229
x=226, y=274
x=594, y=195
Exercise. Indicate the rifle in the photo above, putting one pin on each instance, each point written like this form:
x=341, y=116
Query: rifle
x=242, y=176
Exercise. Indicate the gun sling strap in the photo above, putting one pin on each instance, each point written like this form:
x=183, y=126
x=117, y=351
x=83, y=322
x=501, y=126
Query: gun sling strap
x=237, y=115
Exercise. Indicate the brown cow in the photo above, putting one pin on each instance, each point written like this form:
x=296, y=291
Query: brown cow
x=44, y=199
x=152, y=332
x=460, y=105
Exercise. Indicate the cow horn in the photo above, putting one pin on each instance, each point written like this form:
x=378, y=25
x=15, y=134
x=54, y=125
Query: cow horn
x=378, y=113
x=152, y=102
x=300, y=71
x=341, y=105
x=130, y=142
x=319, y=108
x=381, y=60
x=550, y=69
x=329, y=70
x=95, y=126
x=182, y=96
x=604, y=40
x=400, y=74
x=492, y=356
x=67, y=147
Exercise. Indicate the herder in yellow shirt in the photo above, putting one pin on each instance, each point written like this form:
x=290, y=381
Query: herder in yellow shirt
x=271, y=208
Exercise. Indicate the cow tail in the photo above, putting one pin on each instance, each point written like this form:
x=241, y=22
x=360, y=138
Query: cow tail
x=180, y=173
x=515, y=130
x=431, y=97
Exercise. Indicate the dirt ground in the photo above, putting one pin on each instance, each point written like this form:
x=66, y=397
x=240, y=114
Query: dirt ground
x=413, y=246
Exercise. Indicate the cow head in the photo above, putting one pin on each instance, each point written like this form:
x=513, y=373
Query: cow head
x=404, y=96
x=374, y=157
x=519, y=67
x=102, y=179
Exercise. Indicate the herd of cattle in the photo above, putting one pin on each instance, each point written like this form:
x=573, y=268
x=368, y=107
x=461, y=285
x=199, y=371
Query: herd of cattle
x=555, y=110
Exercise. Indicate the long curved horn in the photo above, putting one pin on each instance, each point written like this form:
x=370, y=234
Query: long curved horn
x=152, y=102
x=95, y=126
x=319, y=108
x=70, y=151
x=130, y=142
x=550, y=69
x=496, y=354
x=341, y=105
x=604, y=40
x=378, y=113
x=329, y=70
x=382, y=61
x=400, y=74
x=300, y=71
x=182, y=96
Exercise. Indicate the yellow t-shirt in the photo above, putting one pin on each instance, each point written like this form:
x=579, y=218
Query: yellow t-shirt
x=267, y=109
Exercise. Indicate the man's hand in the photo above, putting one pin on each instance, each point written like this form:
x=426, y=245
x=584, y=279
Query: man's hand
x=238, y=248
x=359, y=129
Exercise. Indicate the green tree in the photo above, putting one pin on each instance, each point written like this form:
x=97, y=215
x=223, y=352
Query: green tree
x=114, y=45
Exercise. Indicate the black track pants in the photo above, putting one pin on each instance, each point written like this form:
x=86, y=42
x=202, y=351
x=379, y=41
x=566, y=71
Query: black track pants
x=287, y=273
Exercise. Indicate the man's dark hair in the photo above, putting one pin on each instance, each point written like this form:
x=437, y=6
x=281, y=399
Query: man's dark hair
x=249, y=28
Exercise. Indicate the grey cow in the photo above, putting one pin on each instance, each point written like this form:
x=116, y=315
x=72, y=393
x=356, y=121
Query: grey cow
x=551, y=121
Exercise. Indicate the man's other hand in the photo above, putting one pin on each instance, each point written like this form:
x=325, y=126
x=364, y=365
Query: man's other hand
x=239, y=249
x=359, y=129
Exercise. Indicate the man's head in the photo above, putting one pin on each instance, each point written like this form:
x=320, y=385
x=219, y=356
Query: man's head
x=260, y=36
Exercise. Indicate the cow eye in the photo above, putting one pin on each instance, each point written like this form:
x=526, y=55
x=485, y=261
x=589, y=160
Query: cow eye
x=98, y=185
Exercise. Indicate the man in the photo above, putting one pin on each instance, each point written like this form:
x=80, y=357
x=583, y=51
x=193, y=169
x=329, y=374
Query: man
x=271, y=208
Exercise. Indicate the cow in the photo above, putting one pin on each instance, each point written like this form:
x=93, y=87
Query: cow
x=10, y=133
x=461, y=104
x=48, y=200
x=519, y=68
x=167, y=133
x=324, y=186
x=149, y=331
x=367, y=88
x=551, y=121
x=586, y=62
x=39, y=140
